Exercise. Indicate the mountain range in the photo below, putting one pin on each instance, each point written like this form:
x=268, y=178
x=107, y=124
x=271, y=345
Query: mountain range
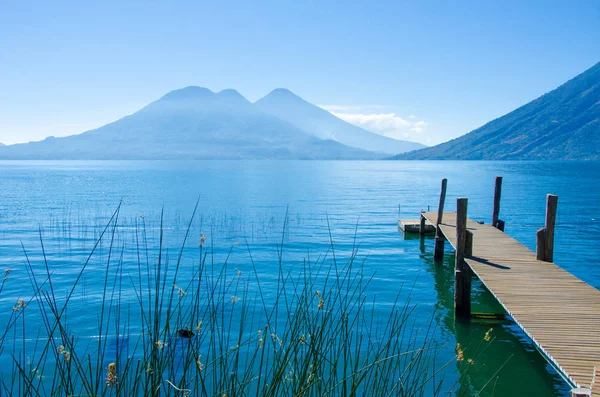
x=563, y=124
x=285, y=105
x=196, y=123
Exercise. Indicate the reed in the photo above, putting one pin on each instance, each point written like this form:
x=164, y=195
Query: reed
x=182, y=327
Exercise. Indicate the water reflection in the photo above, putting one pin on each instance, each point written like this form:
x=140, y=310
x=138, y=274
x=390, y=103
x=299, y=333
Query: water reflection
x=498, y=367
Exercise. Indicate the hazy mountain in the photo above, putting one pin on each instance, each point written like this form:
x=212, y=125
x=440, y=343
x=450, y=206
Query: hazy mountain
x=1, y=144
x=190, y=123
x=563, y=124
x=288, y=106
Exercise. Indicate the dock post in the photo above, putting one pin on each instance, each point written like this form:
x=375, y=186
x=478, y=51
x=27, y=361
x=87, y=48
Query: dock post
x=462, y=273
x=540, y=243
x=497, y=194
x=438, y=253
x=551, y=205
x=500, y=225
x=469, y=244
x=544, y=237
x=422, y=225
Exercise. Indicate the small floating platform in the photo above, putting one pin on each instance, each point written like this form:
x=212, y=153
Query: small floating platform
x=413, y=226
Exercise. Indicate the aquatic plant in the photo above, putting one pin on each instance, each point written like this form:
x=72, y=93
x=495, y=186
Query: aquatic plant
x=209, y=329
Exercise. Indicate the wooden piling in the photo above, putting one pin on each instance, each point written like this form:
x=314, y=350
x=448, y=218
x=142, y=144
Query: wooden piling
x=500, y=225
x=438, y=253
x=558, y=311
x=497, y=194
x=462, y=274
x=551, y=206
x=469, y=244
x=540, y=244
x=544, y=237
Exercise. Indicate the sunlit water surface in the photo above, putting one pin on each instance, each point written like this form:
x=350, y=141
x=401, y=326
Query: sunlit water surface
x=354, y=203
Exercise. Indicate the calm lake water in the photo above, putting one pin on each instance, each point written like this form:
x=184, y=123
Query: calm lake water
x=353, y=202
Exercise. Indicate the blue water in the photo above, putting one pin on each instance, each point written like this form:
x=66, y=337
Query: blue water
x=259, y=204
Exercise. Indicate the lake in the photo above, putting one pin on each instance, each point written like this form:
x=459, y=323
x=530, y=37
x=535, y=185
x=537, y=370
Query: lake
x=288, y=212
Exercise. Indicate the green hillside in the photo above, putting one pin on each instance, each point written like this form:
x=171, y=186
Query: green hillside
x=563, y=124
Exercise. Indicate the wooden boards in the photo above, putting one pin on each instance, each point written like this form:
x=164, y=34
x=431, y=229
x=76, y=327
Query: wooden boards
x=558, y=311
x=413, y=226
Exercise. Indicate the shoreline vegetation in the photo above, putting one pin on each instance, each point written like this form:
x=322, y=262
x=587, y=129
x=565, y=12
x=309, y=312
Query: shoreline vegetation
x=177, y=327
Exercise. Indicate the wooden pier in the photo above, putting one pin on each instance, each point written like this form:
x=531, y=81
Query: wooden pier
x=558, y=311
x=412, y=226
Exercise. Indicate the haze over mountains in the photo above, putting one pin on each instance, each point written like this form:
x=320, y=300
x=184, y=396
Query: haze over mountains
x=286, y=105
x=563, y=124
x=196, y=123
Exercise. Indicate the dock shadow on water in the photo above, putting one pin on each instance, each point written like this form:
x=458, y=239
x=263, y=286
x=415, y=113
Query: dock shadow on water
x=495, y=357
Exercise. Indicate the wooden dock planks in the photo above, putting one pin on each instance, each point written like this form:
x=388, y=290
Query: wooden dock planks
x=558, y=311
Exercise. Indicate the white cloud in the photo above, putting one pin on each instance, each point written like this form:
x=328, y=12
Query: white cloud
x=387, y=124
x=419, y=127
x=375, y=121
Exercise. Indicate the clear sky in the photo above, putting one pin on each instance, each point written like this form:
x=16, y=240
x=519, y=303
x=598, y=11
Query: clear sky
x=424, y=70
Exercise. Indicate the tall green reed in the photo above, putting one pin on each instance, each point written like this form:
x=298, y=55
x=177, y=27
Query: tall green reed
x=197, y=327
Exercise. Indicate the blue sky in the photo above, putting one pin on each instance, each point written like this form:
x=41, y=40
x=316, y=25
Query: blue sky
x=424, y=70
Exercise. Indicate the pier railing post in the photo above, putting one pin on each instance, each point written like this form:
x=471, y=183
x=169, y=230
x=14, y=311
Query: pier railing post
x=469, y=244
x=462, y=274
x=544, y=246
x=540, y=243
x=438, y=253
x=551, y=206
x=497, y=194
